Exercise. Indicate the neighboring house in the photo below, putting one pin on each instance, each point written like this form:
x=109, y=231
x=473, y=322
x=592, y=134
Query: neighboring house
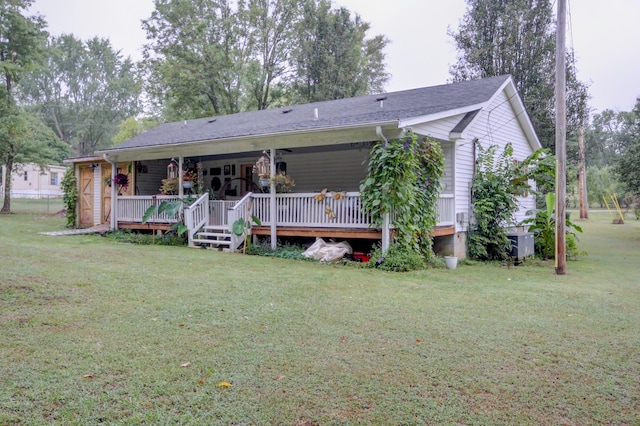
x=321, y=145
x=30, y=181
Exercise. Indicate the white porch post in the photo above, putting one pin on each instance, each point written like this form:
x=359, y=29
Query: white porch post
x=272, y=199
x=386, y=232
x=114, y=196
x=180, y=189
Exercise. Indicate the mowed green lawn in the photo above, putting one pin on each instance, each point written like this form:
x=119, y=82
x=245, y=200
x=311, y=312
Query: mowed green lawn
x=96, y=331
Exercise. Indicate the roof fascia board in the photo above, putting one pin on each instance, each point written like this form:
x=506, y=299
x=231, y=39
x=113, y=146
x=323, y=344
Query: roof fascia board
x=293, y=139
x=440, y=115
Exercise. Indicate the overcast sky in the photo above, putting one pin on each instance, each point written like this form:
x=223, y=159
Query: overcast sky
x=605, y=35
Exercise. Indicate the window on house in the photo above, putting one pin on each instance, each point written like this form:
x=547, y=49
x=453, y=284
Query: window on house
x=26, y=177
x=54, y=178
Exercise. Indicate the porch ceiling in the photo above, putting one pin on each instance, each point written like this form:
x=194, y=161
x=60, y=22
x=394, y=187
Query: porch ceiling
x=320, y=137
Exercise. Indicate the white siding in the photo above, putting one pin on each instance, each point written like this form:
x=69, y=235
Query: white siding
x=496, y=124
x=464, y=166
x=449, y=172
x=438, y=129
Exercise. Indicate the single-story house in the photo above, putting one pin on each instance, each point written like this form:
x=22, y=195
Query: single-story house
x=31, y=181
x=323, y=146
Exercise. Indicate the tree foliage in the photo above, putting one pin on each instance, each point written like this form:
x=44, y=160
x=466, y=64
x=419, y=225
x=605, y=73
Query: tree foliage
x=21, y=39
x=132, y=127
x=627, y=164
x=333, y=58
x=213, y=57
x=517, y=37
x=83, y=91
x=498, y=181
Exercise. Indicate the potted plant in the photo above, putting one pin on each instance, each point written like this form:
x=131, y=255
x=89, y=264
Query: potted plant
x=169, y=186
x=284, y=183
x=188, y=176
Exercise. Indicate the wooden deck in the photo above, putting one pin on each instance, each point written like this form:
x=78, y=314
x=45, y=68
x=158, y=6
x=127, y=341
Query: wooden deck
x=311, y=215
x=147, y=226
x=346, y=233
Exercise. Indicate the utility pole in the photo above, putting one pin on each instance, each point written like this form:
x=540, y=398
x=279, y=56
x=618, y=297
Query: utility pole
x=582, y=177
x=561, y=139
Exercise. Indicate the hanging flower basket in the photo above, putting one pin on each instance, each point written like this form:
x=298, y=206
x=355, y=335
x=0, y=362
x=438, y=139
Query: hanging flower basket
x=122, y=181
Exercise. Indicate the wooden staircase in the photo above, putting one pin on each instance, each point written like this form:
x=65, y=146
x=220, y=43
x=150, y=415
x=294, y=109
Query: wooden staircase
x=214, y=237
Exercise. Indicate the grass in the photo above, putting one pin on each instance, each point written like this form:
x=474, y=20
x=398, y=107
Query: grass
x=95, y=331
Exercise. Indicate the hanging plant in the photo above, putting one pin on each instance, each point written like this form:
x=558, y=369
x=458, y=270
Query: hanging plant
x=121, y=180
x=404, y=179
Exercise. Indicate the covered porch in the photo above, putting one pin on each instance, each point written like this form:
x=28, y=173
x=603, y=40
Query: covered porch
x=330, y=215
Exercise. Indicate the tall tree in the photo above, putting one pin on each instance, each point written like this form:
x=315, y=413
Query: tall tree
x=517, y=37
x=627, y=164
x=83, y=92
x=196, y=52
x=270, y=32
x=333, y=57
x=21, y=39
x=212, y=57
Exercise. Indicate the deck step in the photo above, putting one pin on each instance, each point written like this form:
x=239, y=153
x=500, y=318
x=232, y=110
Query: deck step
x=216, y=228
x=206, y=241
x=215, y=235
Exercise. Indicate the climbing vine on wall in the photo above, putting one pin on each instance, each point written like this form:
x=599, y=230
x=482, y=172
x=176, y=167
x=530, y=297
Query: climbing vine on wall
x=70, y=197
x=498, y=182
x=404, y=180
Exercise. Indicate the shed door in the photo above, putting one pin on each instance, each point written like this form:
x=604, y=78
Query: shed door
x=86, y=197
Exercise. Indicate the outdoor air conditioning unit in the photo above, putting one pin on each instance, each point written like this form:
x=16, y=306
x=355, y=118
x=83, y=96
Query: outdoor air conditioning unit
x=521, y=245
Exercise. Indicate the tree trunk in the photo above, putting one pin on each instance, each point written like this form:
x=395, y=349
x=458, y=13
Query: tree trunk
x=6, y=207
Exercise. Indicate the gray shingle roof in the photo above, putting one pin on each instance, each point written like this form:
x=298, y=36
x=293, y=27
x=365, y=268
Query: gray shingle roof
x=331, y=114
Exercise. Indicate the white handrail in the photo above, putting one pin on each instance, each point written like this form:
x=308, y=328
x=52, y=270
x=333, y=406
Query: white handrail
x=196, y=216
x=242, y=209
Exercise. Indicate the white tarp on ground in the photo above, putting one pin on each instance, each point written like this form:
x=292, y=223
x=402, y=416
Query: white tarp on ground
x=327, y=252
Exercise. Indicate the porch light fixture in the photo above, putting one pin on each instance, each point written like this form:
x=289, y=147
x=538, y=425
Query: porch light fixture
x=172, y=170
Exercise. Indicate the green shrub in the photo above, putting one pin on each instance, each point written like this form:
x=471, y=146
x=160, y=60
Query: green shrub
x=131, y=237
x=70, y=189
x=543, y=227
x=397, y=259
x=282, y=251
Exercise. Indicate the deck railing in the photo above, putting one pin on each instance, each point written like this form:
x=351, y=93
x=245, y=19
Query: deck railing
x=331, y=210
x=446, y=210
x=241, y=210
x=298, y=209
x=132, y=208
x=196, y=215
x=219, y=211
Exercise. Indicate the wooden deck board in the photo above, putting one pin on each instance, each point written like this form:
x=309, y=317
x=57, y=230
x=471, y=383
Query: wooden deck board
x=149, y=226
x=354, y=233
